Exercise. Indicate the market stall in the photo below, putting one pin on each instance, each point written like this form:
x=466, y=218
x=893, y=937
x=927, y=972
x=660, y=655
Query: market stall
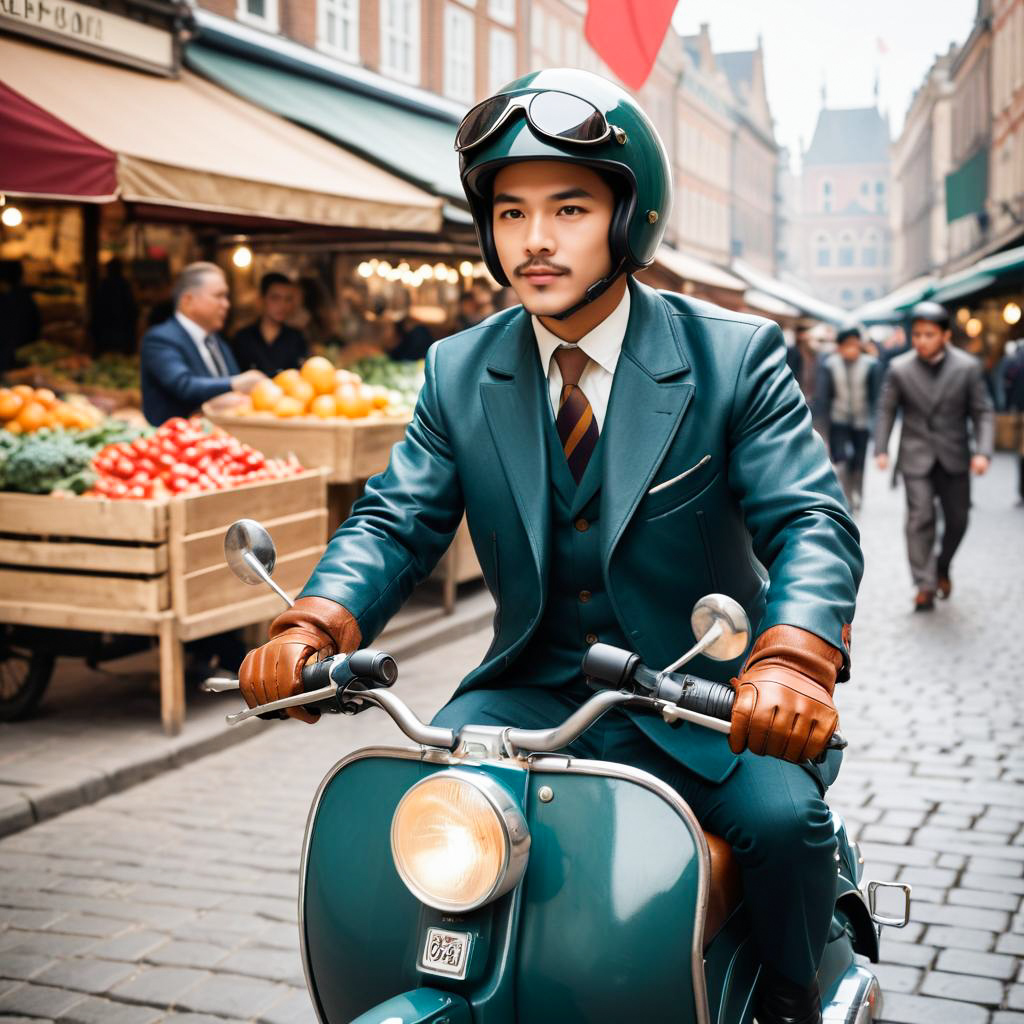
x=126, y=537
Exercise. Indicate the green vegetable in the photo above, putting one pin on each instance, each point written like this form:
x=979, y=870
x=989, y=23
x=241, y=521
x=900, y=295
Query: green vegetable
x=41, y=464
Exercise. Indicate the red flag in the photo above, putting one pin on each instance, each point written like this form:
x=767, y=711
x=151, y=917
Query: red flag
x=627, y=35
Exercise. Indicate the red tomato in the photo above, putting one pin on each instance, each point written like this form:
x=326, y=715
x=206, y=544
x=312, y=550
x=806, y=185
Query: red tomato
x=117, y=490
x=204, y=483
x=138, y=491
x=175, y=424
x=255, y=460
x=178, y=484
x=125, y=467
x=140, y=445
x=147, y=466
x=191, y=455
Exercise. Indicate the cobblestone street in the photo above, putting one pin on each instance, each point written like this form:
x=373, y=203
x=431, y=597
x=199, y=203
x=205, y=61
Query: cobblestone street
x=174, y=901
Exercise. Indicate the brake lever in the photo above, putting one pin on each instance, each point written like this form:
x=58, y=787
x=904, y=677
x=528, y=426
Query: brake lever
x=296, y=701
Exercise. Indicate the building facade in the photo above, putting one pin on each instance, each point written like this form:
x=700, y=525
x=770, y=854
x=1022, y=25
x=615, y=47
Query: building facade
x=1006, y=164
x=754, y=161
x=844, y=234
x=921, y=159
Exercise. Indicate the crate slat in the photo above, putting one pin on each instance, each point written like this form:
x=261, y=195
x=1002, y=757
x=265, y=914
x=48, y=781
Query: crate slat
x=44, y=515
x=290, y=533
x=218, y=586
x=119, y=593
x=116, y=558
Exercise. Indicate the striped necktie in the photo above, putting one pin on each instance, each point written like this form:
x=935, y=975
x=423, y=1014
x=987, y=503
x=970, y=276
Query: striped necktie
x=576, y=425
x=215, y=354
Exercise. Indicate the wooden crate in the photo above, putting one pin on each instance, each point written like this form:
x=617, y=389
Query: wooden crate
x=154, y=567
x=349, y=450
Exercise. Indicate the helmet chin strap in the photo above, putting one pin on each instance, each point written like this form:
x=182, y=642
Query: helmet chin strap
x=594, y=291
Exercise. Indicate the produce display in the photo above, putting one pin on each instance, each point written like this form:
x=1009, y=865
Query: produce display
x=182, y=457
x=24, y=409
x=55, y=460
x=404, y=377
x=112, y=377
x=320, y=391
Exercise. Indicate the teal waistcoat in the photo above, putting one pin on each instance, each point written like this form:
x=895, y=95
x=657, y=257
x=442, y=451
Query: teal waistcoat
x=578, y=610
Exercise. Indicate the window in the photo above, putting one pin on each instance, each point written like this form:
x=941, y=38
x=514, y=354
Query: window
x=865, y=188
x=823, y=251
x=847, y=295
x=400, y=39
x=338, y=28
x=826, y=196
x=503, y=58
x=503, y=11
x=261, y=13
x=845, y=249
x=880, y=197
x=459, y=46
x=869, y=249
x=869, y=294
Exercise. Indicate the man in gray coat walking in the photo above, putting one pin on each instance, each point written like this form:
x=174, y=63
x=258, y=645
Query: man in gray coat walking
x=937, y=388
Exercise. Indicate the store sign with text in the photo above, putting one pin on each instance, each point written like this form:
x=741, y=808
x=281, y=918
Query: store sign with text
x=91, y=30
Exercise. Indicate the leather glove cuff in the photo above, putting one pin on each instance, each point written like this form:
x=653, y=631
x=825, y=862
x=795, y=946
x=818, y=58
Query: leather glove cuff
x=799, y=651
x=332, y=625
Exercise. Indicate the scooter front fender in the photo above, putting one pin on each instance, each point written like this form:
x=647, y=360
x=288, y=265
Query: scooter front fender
x=420, y=1006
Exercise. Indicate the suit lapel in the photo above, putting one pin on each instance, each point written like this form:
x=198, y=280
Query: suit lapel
x=192, y=353
x=513, y=400
x=647, y=404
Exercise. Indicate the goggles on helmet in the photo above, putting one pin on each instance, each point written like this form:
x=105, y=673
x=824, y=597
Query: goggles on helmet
x=554, y=115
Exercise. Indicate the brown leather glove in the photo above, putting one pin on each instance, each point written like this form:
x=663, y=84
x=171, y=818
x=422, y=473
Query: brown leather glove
x=783, y=704
x=314, y=626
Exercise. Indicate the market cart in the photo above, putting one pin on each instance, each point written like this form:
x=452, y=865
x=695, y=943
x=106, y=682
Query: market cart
x=145, y=568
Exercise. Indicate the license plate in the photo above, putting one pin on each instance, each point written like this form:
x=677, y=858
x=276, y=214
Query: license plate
x=445, y=953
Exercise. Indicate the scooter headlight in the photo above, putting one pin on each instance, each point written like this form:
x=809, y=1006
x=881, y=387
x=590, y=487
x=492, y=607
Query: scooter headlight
x=459, y=840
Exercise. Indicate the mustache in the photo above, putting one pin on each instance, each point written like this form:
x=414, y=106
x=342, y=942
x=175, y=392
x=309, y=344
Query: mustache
x=554, y=268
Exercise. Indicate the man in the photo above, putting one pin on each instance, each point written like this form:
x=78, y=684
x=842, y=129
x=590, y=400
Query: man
x=845, y=400
x=184, y=362
x=620, y=452
x=115, y=313
x=1014, y=385
x=20, y=319
x=937, y=388
x=270, y=344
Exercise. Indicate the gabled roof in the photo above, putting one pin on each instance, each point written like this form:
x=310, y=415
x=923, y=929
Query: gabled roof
x=855, y=136
x=739, y=69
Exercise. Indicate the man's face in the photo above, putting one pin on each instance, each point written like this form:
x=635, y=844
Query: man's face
x=849, y=349
x=551, y=222
x=279, y=302
x=207, y=304
x=928, y=339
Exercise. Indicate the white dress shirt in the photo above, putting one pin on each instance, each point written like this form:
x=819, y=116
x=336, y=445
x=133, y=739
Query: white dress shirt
x=603, y=344
x=198, y=336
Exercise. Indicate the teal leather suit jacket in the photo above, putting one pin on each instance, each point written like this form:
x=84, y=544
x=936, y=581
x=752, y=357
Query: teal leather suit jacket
x=703, y=401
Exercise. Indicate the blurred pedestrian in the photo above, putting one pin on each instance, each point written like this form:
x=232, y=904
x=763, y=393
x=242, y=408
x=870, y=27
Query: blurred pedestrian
x=937, y=388
x=845, y=401
x=115, y=313
x=802, y=358
x=20, y=321
x=184, y=361
x=1013, y=379
x=469, y=314
x=270, y=344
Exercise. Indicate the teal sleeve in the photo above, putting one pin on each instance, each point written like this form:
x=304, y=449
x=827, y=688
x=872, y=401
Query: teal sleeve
x=799, y=525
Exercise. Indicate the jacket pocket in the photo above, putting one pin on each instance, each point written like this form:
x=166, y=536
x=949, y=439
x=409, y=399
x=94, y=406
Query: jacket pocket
x=663, y=504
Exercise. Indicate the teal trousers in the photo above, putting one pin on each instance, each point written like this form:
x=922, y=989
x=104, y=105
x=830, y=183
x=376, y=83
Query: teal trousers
x=772, y=813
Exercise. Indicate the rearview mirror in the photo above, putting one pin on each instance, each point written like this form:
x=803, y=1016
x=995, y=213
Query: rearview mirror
x=249, y=551
x=723, y=623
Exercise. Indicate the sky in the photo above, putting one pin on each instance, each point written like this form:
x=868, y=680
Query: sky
x=843, y=45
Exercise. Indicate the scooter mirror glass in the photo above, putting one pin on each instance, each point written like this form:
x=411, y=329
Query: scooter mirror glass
x=725, y=617
x=249, y=551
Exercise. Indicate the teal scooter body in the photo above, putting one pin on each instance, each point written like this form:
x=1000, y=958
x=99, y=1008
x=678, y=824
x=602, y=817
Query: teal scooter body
x=607, y=923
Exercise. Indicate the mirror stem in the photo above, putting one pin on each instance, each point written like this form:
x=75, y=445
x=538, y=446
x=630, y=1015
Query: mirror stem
x=257, y=567
x=698, y=648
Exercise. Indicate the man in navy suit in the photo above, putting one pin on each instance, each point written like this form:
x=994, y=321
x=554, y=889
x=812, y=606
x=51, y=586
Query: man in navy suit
x=184, y=362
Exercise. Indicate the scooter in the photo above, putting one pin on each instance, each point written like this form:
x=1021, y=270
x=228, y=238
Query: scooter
x=481, y=877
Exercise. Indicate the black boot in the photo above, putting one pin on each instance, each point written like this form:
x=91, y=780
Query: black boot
x=781, y=1001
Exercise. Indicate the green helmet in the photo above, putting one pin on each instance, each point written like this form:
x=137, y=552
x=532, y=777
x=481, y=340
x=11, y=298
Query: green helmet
x=543, y=116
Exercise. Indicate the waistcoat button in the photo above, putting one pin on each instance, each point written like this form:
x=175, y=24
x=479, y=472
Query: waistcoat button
x=585, y=596
x=582, y=525
x=591, y=638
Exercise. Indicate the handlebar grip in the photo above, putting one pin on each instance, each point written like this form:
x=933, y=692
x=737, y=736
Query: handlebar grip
x=610, y=664
x=362, y=670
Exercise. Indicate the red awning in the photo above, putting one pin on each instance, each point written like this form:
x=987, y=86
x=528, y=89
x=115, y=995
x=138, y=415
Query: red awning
x=41, y=155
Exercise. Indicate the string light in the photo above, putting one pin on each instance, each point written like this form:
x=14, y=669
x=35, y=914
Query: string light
x=1011, y=313
x=973, y=327
x=11, y=217
x=242, y=257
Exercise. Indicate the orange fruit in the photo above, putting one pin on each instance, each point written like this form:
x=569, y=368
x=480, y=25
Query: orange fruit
x=32, y=416
x=25, y=391
x=323, y=406
x=352, y=403
x=300, y=389
x=14, y=427
x=319, y=372
x=282, y=378
x=265, y=396
x=10, y=404
x=379, y=397
x=45, y=397
x=288, y=407
x=346, y=377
